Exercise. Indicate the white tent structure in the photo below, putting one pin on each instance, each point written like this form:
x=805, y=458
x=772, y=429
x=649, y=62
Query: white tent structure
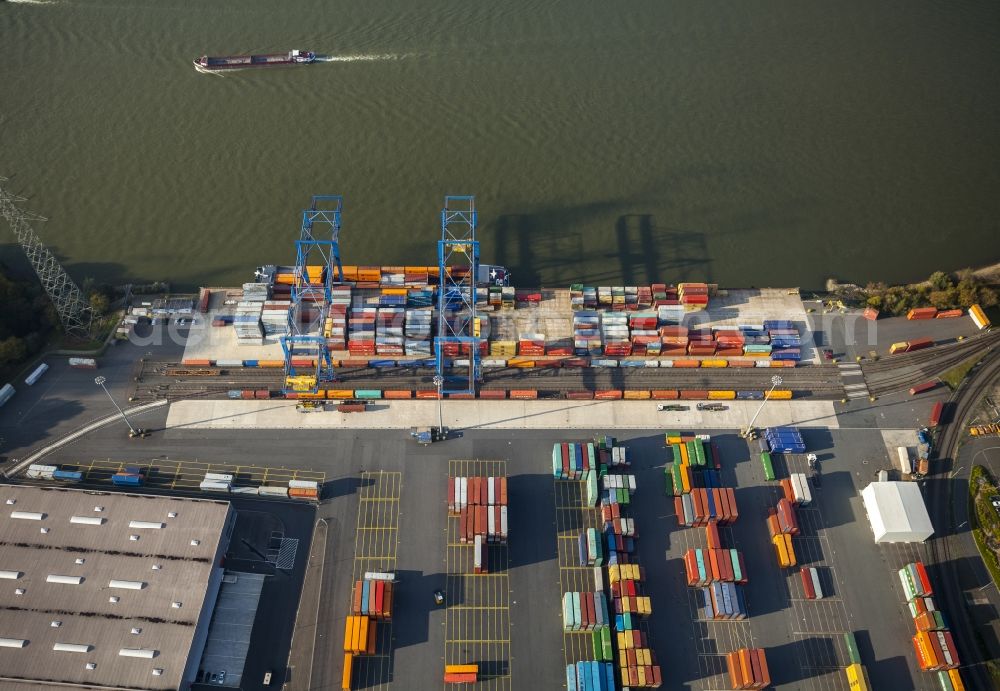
x=896, y=512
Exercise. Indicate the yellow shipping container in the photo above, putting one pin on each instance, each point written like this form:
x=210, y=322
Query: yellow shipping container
x=790, y=550
x=520, y=362
x=270, y=363
x=630, y=395
x=339, y=393
x=348, y=633
x=684, y=454
x=779, y=551
x=898, y=347
x=673, y=440
x=780, y=395
x=715, y=363
x=721, y=395
x=956, y=680
x=461, y=669
x=857, y=678
x=345, y=680
x=622, y=643
x=979, y=317
x=642, y=676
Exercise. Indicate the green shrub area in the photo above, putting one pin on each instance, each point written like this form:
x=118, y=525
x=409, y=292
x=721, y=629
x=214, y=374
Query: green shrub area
x=26, y=321
x=984, y=519
x=941, y=290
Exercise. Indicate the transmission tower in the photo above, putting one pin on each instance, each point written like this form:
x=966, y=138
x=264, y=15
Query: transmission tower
x=74, y=310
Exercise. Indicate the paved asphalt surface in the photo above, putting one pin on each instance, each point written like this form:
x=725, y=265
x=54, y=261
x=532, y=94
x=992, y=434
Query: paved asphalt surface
x=803, y=638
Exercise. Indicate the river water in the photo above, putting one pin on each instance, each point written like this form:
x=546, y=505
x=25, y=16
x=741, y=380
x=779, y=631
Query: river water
x=747, y=143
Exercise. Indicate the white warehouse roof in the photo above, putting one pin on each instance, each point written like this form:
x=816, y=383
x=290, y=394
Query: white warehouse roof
x=896, y=512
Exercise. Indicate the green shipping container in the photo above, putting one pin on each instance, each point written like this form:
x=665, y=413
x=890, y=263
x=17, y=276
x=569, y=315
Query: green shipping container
x=595, y=639
x=668, y=478
x=607, y=650
x=765, y=460
x=592, y=493
x=852, y=648
x=734, y=559
x=367, y=393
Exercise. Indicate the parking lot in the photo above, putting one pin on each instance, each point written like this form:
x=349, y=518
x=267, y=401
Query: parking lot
x=802, y=638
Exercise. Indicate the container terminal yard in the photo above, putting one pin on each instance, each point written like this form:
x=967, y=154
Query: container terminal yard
x=631, y=487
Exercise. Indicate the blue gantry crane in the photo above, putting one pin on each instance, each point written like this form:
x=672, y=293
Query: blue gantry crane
x=317, y=268
x=458, y=330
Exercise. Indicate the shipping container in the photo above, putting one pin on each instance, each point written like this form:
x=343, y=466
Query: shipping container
x=936, y=414
x=82, y=363
x=921, y=388
x=6, y=393
x=36, y=374
x=979, y=317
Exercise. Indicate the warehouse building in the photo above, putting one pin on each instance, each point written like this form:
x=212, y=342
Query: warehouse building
x=896, y=512
x=106, y=589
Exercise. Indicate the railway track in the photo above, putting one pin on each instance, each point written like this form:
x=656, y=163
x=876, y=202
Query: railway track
x=899, y=372
x=167, y=380
x=939, y=548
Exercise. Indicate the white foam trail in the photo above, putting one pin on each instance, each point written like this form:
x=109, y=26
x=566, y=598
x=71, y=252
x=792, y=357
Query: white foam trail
x=35, y=2
x=369, y=57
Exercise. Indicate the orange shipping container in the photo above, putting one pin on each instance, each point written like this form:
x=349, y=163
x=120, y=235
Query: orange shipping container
x=345, y=681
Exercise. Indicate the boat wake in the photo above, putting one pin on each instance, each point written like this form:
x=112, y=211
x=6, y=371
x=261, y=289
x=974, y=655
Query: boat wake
x=202, y=70
x=34, y=2
x=367, y=57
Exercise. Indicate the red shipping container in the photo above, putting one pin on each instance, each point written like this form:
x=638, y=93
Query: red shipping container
x=935, y=417
x=922, y=313
x=925, y=581
x=807, y=583
x=731, y=499
x=484, y=491
x=713, y=564
x=786, y=488
x=919, y=344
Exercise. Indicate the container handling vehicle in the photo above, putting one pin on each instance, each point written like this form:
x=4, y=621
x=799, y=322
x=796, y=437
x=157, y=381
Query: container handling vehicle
x=426, y=436
x=713, y=407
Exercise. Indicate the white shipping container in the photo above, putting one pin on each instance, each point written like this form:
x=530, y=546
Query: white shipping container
x=797, y=492
x=82, y=363
x=491, y=528
x=490, y=494
x=243, y=490
x=458, y=494
x=303, y=484
x=598, y=579
x=210, y=486
x=46, y=468
x=380, y=576
x=503, y=523
x=39, y=474
x=465, y=492
x=807, y=496
x=272, y=491
x=219, y=477
x=814, y=575
x=904, y=460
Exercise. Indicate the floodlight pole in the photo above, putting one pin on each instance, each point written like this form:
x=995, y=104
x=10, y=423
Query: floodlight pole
x=775, y=382
x=100, y=382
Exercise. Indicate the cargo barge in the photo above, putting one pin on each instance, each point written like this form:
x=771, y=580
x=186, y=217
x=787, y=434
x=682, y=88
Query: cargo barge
x=231, y=62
